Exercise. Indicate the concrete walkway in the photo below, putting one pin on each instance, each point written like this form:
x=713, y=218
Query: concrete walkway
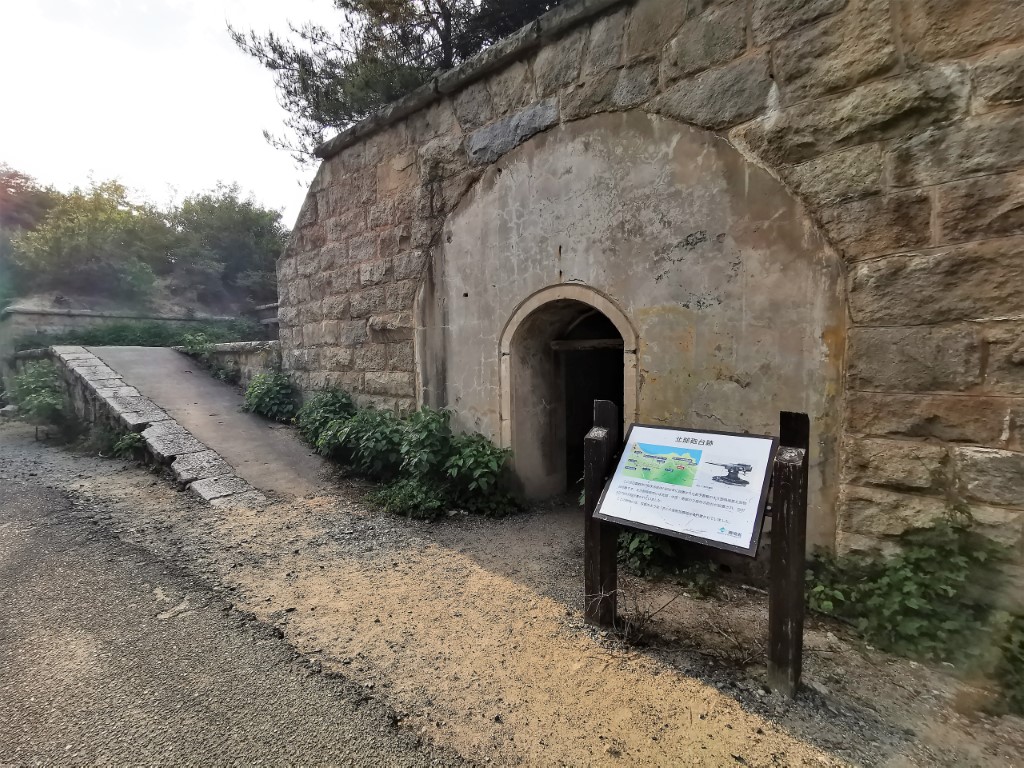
x=269, y=456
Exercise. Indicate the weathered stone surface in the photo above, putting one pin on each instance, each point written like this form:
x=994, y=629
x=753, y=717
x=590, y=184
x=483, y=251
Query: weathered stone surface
x=897, y=464
x=992, y=421
x=774, y=18
x=395, y=326
x=558, y=64
x=442, y=157
x=407, y=265
x=212, y=488
x=138, y=419
x=473, y=106
x=512, y=89
x=939, y=29
x=606, y=41
x=879, y=225
x=365, y=303
x=715, y=37
x=1004, y=526
x=991, y=476
x=396, y=174
x=970, y=282
x=198, y=466
x=999, y=78
x=165, y=447
x=401, y=357
x=634, y=85
x=1004, y=372
x=719, y=98
x=436, y=120
x=337, y=358
x=837, y=177
x=354, y=332
x=880, y=513
x=982, y=208
x=396, y=383
x=488, y=144
x=920, y=359
x=983, y=144
x=844, y=51
x=651, y=24
x=93, y=372
x=374, y=272
x=67, y=352
x=883, y=110
x=128, y=404
x=9, y=412
x=401, y=295
x=618, y=89
x=120, y=391
x=371, y=357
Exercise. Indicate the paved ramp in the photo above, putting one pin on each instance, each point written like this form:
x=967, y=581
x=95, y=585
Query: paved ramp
x=269, y=456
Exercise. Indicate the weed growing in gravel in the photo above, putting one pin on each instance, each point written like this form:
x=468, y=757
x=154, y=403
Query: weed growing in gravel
x=129, y=446
x=271, y=395
x=932, y=600
x=37, y=392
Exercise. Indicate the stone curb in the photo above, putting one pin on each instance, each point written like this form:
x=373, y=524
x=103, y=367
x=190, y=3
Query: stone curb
x=99, y=394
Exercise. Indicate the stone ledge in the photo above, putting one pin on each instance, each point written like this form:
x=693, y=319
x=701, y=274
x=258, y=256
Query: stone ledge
x=553, y=23
x=199, y=469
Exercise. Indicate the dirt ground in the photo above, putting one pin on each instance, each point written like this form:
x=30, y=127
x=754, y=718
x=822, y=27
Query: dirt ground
x=471, y=632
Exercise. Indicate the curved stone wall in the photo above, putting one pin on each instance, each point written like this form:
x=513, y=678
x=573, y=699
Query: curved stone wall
x=895, y=123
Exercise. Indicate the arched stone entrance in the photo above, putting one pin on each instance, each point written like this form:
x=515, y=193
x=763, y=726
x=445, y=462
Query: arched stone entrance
x=563, y=347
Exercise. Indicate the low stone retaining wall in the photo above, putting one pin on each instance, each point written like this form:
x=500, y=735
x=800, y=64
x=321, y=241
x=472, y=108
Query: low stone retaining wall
x=98, y=395
x=247, y=357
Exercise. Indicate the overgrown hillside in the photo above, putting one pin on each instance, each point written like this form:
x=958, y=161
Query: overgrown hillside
x=99, y=248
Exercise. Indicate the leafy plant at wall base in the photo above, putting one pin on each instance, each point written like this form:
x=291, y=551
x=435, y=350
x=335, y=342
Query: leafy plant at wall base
x=646, y=554
x=373, y=440
x=317, y=413
x=229, y=374
x=271, y=395
x=930, y=600
x=197, y=345
x=1008, y=671
x=37, y=392
x=129, y=445
x=411, y=497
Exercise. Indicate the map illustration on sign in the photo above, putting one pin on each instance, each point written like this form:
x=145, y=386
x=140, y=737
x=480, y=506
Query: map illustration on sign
x=701, y=485
x=662, y=464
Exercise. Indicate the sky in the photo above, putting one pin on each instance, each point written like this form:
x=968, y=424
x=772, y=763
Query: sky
x=150, y=92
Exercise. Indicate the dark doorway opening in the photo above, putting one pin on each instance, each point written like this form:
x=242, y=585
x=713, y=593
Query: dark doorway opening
x=590, y=352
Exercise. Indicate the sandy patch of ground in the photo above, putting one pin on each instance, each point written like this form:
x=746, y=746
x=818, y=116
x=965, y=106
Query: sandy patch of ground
x=471, y=630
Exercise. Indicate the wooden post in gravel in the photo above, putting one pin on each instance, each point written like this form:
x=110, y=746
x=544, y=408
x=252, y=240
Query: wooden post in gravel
x=788, y=544
x=600, y=568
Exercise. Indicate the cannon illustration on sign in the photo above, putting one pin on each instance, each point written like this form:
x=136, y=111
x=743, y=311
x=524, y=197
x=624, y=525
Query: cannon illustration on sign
x=732, y=473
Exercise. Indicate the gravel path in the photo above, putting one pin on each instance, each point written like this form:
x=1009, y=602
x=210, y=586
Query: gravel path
x=109, y=656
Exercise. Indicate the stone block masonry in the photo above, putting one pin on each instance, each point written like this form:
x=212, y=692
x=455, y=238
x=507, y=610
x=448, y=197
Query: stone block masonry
x=898, y=125
x=98, y=396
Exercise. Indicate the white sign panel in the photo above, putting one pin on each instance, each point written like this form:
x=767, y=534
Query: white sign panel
x=709, y=487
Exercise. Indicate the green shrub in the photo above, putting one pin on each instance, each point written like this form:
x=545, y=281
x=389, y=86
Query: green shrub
x=429, y=469
x=146, y=333
x=128, y=446
x=271, y=395
x=37, y=392
x=931, y=600
x=197, y=344
x=646, y=554
x=413, y=498
x=370, y=441
x=1008, y=670
x=317, y=413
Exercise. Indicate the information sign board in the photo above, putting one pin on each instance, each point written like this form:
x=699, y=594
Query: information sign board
x=708, y=487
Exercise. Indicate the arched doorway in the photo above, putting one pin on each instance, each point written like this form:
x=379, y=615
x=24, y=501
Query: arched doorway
x=563, y=348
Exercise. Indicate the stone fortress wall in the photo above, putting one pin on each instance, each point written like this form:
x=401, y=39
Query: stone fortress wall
x=897, y=126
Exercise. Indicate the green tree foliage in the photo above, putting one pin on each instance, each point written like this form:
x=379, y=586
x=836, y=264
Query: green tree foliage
x=97, y=240
x=23, y=204
x=382, y=50
x=233, y=240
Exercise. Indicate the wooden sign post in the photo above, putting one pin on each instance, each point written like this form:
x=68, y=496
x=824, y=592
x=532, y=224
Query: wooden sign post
x=789, y=476
x=601, y=539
